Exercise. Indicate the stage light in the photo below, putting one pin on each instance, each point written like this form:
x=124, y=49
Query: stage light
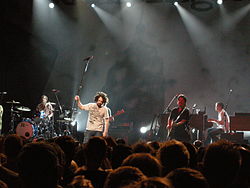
x=143, y=130
x=51, y=5
x=92, y=5
x=128, y=4
x=176, y=3
x=219, y=2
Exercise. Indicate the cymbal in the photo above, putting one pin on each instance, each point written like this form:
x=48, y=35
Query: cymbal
x=23, y=108
x=13, y=102
x=55, y=90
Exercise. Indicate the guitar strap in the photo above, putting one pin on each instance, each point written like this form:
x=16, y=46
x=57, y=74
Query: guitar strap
x=178, y=117
x=186, y=125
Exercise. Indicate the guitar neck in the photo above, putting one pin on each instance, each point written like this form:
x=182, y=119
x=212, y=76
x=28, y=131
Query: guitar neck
x=116, y=114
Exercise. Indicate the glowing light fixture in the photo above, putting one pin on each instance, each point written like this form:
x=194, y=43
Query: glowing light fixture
x=51, y=5
x=143, y=130
x=128, y=4
x=219, y=2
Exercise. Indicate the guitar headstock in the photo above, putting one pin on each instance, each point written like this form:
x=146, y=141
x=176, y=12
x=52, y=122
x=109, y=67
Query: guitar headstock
x=119, y=112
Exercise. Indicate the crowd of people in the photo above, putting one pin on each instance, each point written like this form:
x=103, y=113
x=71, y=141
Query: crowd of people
x=105, y=162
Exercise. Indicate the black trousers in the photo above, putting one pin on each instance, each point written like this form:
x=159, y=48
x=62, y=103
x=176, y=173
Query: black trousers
x=88, y=134
x=180, y=133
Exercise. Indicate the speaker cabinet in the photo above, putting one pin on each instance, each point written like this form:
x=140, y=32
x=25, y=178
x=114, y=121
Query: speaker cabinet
x=237, y=138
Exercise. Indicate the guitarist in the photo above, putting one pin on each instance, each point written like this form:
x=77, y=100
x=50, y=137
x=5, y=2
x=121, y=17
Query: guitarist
x=178, y=127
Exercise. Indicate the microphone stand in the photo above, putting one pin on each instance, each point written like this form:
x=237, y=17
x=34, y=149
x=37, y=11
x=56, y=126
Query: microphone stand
x=59, y=104
x=12, y=120
x=61, y=114
x=162, y=129
x=167, y=108
x=74, y=108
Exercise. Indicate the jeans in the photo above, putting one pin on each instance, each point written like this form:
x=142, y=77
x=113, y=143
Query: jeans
x=212, y=135
x=88, y=134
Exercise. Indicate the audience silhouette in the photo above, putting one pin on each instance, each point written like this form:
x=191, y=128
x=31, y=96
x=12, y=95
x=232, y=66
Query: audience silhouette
x=63, y=162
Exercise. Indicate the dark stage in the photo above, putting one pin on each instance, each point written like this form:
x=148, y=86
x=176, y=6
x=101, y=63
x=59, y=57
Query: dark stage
x=142, y=55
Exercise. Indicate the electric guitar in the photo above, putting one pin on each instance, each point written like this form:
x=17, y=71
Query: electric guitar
x=119, y=112
x=169, y=129
x=174, y=123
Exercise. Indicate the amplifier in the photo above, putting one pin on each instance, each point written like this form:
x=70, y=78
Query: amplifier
x=119, y=133
x=237, y=138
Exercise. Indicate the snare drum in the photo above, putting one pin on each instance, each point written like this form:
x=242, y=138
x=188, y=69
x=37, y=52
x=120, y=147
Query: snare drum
x=25, y=129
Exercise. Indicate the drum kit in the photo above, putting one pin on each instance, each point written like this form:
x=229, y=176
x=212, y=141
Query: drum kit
x=24, y=128
x=38, y=125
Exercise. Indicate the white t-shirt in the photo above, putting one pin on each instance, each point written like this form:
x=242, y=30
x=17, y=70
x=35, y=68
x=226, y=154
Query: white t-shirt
x=96, y=116
x=223, y=116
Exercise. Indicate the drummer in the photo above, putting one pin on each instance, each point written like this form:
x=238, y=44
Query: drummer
x=44, y=108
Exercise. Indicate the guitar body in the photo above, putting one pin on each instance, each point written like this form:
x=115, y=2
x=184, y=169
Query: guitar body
x=179, y=132
x=171, y=130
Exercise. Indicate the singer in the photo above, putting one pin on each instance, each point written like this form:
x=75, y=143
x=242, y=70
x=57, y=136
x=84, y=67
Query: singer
x=178, y=127
x=221, y=125
x=98, y=117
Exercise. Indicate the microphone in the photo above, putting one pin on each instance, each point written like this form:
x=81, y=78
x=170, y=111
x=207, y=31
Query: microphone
x=88, y=58
x=194, y=106
x=3, y=93
x=230, y=90
x=55, y=90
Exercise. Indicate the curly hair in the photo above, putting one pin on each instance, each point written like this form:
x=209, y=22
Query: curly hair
x=104, y=97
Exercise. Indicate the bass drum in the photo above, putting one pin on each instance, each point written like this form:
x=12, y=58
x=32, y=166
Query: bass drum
x=25, y=130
